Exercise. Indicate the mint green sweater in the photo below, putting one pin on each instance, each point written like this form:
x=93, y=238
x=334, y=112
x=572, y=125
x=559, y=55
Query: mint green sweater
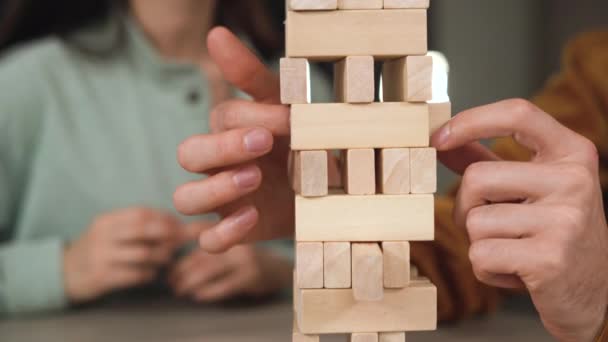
x=81, y=136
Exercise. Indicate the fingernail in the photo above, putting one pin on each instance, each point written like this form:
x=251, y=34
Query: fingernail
x=441, y=138
x=247, y=178
x=258, y=140
x=230, y=230
x=245, y=218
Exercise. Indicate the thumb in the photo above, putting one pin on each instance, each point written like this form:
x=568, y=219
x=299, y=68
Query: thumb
x=241, y=67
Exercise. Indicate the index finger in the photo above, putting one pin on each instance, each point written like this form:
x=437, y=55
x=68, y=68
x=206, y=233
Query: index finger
x=526, y=123
x=241, y=67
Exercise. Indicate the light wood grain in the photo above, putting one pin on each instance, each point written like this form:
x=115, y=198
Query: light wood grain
x=354, y=79
x=440, y=114
x=312, y=5
x=365, y=218
x=295, y=86
x=360, y=172
x=349, y=126
x=367, y=272
x=337, y=265
x=408, y=79
x=297, y=336
x=423, y=170
x=327, y=311
x=360, y=4
x=391, y=337
x=309, y=265
x=332, y=35
x=310, y=173
x=364, y=337
x=393, y=176
x=396, y=263
x=392, y=4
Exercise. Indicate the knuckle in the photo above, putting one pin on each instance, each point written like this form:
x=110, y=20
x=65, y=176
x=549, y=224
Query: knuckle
x=589, y=152
x=521, y=107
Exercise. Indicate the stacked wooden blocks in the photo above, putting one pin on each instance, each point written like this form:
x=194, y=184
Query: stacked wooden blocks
x=353, y=244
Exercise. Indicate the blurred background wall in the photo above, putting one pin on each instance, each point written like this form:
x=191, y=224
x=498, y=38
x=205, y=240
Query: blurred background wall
x=500, y=49
x=506, y=48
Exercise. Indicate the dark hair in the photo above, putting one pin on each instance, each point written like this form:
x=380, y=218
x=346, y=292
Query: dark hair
x=24, y=20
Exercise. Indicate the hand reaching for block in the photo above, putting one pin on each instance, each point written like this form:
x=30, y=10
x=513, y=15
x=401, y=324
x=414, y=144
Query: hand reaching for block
x=538, y=224
x=245, y=155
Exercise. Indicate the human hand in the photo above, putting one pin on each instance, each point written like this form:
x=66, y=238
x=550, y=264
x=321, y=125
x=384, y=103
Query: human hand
x=245, y=155
x=538, y=224
x=242, y=270
x=121, y=249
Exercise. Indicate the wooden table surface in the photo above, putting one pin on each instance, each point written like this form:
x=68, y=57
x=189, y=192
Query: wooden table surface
x=153, y=320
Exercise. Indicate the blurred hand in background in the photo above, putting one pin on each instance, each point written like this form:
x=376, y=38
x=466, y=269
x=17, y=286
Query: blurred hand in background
x=121, y=249
x=243, y=270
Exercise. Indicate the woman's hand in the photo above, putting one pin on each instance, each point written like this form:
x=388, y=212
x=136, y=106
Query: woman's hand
x=538, y=224
x=245, y=156
x=121, y=249
x=242, y=270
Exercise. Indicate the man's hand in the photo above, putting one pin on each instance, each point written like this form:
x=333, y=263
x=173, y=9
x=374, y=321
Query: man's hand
x=245, y=155
x=538, y=224
x=121, y=249
x=242, y=270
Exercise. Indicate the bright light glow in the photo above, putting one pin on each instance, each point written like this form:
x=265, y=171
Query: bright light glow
x=441, y=72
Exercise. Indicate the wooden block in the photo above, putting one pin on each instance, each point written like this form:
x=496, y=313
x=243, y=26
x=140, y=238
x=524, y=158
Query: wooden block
x=328, y=311
x=343, y=126
x=295, y=82
x=440, y=114
x=423, y=170
x=391, y=337
x=365, y=218
x=354, y=79
x=313, y=5
x=393, y=176
x=367, y=272
x=310, y=173
x=360, y=4
x=364, y=337
x=396, y=262
x=297, y=336
x=309, y=265
x=336, y=265
x=391, y=4
x=328, y=36
x=360, y=172
x=408, y=79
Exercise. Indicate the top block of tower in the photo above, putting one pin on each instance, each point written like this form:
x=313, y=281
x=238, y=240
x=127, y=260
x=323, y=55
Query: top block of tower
x=312, y=5
x=332, y=35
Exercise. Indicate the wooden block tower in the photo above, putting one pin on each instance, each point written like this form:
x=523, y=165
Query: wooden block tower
x=353, y=272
